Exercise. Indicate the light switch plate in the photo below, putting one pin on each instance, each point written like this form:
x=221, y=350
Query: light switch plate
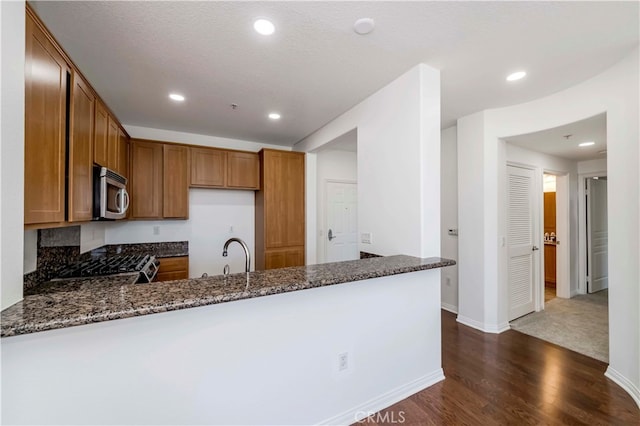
x=365, y=238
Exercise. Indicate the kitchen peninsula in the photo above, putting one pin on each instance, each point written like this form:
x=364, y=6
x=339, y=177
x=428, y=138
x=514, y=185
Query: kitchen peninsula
x=236, y=357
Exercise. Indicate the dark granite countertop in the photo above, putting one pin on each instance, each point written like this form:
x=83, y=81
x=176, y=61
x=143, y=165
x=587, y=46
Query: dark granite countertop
x=85, y=301
x=164, y=249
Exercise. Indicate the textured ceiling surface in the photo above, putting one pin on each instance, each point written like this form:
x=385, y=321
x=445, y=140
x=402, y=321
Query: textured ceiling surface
x=315, y=67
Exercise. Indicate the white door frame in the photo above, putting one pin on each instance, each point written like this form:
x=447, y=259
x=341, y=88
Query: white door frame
x=325, y=213
x=538, y=292
x=582, y=229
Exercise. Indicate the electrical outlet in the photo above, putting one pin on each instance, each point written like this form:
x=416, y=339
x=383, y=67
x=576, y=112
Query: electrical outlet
x=448, y=281
x=156, y=230
x=343, y=361
x=365, y=238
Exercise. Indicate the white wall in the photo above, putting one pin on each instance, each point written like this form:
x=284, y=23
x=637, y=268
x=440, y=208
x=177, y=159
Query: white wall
x=592, y=166
x=398, y=148
x=449, y=215
x=12, y=36
x=267, y=360
x=215, y=215
x=331, y=165
x=481, y=164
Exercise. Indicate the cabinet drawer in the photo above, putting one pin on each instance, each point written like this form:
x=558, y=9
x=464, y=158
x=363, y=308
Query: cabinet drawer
x=173, y=268
x=170, y=276
x=283, y=258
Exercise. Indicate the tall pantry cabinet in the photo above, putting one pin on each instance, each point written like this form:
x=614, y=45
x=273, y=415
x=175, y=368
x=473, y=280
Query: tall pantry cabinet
x=280, y=210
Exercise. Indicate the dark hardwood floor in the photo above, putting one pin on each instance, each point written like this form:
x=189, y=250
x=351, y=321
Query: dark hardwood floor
x=512, y=379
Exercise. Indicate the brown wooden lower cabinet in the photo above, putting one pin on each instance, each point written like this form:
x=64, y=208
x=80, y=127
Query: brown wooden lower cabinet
x=283, y=258
x=173, y=268
x=550, y=264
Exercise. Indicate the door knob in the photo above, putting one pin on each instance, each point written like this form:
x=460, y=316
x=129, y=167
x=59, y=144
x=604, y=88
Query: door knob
x=330, y=235
x=534, y=248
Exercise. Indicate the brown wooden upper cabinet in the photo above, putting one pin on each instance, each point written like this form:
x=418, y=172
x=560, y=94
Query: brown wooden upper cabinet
x=208, y=167
x=123, y=154
x=100, y=136
x=159, y=180
x=67, y=129
x=146, y=180
x=47, y=76
x=113, y=142
x=175, y=182
x=106, y=144
x=280, y=210
x=81, y=151
x=220, y=168
x=243, y=170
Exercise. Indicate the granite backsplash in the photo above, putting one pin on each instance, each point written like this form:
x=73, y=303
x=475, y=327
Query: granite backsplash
x=57, y=249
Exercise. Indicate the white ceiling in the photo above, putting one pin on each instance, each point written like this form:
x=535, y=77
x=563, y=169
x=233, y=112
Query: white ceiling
x=554, y=142
x=315, y=67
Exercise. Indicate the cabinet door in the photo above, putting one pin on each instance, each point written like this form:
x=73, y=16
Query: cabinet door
x=113, y=142
x=123, y=154
x=100, y=140
x=549, y=212
x=243, y=170
x=294, y=189
x=208, y=167
x=283, y=258
x=46, y=89
x=173, y=268
x=275, y=199
x=176, y=181
x=550, y=263
x=81, y=151
x=146, y=180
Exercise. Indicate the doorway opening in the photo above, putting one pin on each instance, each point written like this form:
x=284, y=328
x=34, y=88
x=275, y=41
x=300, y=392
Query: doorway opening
x=337, y=199
x=573, y=218
x=550, y=237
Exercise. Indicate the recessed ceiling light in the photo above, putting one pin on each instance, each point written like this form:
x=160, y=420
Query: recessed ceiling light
x=516, y=76
x=583, y=144
x=176, y=97
x=274, y=116
x=264, y=26
x=364, y=26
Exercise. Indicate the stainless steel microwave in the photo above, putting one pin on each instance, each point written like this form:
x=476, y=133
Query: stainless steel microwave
x=110, y=197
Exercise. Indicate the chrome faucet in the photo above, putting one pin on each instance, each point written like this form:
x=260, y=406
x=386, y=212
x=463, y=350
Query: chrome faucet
x=244, y=246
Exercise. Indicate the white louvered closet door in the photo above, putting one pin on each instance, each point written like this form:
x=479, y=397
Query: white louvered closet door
x=520, y=241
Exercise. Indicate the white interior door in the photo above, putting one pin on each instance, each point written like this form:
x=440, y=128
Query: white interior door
x=520, y=239
x=597, y=236
x=341, y=236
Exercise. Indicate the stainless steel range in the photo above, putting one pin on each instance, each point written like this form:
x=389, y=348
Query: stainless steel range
x=145, y=265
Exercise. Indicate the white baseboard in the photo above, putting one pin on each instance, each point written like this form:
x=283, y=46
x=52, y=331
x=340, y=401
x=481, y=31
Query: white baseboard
x=485, y=328
x=624, y=383
x=449, y=308
x=385, y=400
